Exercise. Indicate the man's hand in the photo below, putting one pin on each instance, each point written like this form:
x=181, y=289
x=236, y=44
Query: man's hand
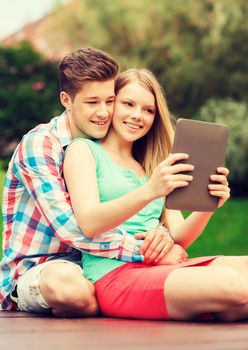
x=157, y=243
x=175, y=256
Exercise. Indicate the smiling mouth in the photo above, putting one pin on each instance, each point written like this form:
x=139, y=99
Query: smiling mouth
x=133, y=126
x=101, y=123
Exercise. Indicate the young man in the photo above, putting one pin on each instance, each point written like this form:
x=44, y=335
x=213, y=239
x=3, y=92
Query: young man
x=41, y=266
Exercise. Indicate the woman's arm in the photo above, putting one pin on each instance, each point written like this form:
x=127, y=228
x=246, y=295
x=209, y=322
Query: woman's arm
x=186, y=231
x=94, y=217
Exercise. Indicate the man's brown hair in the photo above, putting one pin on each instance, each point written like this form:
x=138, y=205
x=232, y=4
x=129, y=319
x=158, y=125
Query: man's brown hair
x=85, y=65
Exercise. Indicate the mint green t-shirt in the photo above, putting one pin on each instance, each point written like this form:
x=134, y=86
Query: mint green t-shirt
x=115, y=181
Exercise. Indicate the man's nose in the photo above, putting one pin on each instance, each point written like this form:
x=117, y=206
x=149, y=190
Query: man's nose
x=103, y=110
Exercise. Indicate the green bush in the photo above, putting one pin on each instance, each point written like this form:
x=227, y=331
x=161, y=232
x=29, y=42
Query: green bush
x=234, y=114
x=28, y=92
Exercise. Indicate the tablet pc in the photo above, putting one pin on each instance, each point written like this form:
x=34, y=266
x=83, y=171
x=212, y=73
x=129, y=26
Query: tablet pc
x=206, y=145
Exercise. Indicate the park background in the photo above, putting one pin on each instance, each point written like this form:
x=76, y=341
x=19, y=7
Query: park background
x=197, y=49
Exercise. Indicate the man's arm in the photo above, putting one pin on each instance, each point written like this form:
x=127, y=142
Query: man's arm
x=39, y=166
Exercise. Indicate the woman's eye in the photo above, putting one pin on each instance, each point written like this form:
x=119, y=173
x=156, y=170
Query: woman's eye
x=150, y=111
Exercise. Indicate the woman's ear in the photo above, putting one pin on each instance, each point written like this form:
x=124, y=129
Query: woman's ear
x=65, y=99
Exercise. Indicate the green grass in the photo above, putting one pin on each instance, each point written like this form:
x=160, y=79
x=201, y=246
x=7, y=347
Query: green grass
x=226, y=233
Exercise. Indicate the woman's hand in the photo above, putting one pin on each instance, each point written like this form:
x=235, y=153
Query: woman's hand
x=167, y=175
x=157, y=243
x=175, y=256
x=221, y=189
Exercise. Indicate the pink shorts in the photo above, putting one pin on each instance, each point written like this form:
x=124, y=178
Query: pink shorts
x=136, y=290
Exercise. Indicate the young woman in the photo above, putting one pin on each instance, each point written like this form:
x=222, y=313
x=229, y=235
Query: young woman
x=122, y=181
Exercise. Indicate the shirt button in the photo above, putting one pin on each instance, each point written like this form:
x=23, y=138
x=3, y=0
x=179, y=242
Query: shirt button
x=137, y=249
x=104, y=246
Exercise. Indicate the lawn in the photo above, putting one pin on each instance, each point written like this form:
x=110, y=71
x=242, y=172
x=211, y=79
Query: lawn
x=226, y=233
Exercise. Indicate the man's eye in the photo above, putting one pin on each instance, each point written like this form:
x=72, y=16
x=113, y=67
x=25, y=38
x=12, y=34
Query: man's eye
x=129, y=104
x=110, y=102
x=91, y=102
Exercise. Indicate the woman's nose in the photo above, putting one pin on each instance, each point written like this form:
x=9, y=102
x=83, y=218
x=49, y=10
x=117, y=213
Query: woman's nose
x=136, y=113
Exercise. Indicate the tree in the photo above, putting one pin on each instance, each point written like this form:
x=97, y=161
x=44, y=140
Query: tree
x=28, y=92
x=233, y=114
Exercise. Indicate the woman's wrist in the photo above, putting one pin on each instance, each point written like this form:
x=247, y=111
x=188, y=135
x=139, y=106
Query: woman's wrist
x=148, y=193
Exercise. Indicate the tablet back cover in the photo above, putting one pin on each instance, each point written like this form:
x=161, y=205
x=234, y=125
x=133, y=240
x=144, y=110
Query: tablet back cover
x=206, y=145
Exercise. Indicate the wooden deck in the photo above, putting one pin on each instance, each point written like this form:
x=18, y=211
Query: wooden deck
x=21, y=331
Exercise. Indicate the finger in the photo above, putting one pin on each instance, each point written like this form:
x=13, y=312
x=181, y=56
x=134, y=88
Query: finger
x=175, y=184
x=219, y=178
x=184, y=255
x=160, y=237
x=158, y=243
x=172, y=158
x=163, y=252
x=176, y=168
x=148, y=240
x=223, y=170
x=153, y=253
x=180, y=177
x=180, y=168
x=216, y=187
x=222, y=195
x=140, y=235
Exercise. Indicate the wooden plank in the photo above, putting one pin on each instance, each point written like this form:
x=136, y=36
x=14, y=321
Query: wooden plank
x=23, y=331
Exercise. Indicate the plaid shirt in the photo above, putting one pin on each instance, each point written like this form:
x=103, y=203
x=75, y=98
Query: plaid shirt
x=38, y=221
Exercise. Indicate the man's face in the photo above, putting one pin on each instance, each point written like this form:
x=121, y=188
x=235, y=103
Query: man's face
x=90, y=113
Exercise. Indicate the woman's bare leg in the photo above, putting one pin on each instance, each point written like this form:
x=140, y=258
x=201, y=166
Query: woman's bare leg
x=239, y=263
x=193, y=291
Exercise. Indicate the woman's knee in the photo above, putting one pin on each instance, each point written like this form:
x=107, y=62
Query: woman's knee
x=233, y=287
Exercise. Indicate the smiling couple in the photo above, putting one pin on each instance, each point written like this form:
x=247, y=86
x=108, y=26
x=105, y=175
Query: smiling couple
x=93, y=181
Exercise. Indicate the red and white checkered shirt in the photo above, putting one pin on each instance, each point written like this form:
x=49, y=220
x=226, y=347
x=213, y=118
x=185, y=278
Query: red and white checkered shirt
x=38, y=220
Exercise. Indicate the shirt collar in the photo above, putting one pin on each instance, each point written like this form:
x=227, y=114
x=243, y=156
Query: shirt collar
x=63, y=129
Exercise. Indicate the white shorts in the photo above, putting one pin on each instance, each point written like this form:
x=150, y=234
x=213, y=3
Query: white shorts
x=29, y=297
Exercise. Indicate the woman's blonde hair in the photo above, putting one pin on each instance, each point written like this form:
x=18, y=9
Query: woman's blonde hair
x=156, y=145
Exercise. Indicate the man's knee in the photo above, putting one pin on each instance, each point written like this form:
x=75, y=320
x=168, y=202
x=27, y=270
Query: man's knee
x=64, y=284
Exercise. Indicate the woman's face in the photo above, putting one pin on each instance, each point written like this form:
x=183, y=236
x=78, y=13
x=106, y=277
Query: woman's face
x=134, y=112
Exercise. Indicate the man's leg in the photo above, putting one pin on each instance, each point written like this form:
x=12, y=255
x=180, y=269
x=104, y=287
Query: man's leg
x=192, y=291
x=67, y=291
x=57, y=286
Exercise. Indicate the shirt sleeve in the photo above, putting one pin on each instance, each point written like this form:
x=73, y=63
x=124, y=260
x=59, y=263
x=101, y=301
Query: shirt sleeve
x=39, y=165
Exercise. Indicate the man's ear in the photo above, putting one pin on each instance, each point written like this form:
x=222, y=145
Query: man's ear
x=65, y=100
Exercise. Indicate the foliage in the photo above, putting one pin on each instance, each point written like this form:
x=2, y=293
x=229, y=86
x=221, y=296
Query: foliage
x=196, y=48
x=28, y=91
x=233, y=114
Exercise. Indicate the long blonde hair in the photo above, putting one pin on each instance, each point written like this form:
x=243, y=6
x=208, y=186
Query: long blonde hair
x=156, y=145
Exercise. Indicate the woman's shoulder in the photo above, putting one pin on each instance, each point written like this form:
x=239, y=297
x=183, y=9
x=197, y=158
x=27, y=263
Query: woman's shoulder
x=81, y=142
